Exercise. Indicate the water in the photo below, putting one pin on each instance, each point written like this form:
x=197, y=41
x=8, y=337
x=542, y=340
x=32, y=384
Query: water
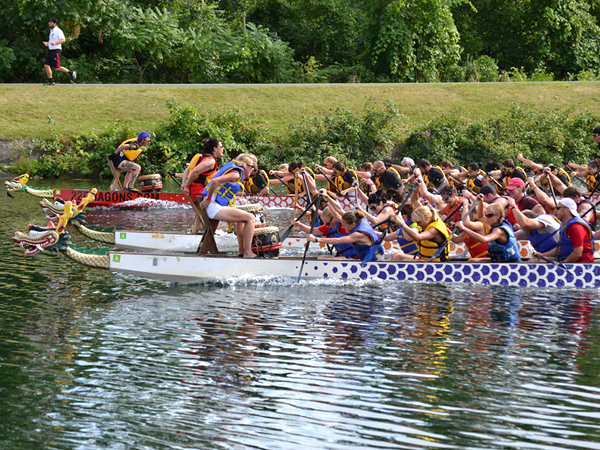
x=93, y=360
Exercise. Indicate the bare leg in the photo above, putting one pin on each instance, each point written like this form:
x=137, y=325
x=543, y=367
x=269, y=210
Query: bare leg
x=48, y=70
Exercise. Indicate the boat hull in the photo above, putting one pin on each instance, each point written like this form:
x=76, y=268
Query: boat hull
x=192, y=268
x=120, y=199
x=144, y=199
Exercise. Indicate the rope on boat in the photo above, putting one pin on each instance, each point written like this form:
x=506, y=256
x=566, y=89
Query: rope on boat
x=102, y=236
x=95, y=261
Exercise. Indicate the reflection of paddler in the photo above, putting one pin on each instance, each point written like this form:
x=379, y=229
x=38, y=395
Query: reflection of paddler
x=199, y=173
x=219, y=199
x=126, y=153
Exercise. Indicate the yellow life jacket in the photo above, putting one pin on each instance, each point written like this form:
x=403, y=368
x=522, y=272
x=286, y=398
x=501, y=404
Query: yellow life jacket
x=591, y=181
x=426, y=177
x=251, y=188
x=343, y=184
x=470, y=182
x=133, y=151
x=298, y=183
x=390, y=169
x=203, y=178
x=428, y=248
x=450, y=177
x=507, y=179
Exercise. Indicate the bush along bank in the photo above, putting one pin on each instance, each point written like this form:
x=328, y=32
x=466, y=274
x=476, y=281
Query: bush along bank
x=547, y=137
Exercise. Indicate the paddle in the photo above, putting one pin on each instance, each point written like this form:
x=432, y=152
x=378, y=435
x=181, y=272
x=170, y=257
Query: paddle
x=312, y=226
x=554, y=263
x=286, y=231
x=594, y=189
x=369, y=255
x=283, y=182
x=463, y=184
x=552, y=190
x=329, y=179
x=443, y=246
x=411, y=190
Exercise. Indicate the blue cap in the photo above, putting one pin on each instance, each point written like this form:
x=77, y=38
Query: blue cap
x=143, y=136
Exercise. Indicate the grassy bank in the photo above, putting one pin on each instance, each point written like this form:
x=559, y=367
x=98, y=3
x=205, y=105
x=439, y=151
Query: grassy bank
x=30, y=111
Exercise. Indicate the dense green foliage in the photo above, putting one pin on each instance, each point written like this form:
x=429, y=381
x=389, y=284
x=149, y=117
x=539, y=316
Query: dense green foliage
x=268, y=41
x=550, y=136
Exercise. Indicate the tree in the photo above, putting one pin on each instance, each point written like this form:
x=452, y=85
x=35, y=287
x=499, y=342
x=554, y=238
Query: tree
x=412, y=40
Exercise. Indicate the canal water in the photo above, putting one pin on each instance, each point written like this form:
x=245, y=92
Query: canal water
x=94, y=360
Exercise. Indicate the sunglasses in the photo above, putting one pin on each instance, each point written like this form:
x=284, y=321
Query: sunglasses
x=488, y=215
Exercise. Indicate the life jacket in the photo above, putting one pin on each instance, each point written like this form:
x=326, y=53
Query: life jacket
x=133, y=151
x=397, y=182
x=474, y=183
x=408, y=246
x=505, y=252
x=566, y=244
x=203, y=178
x=507, y=179
x=250, y=185
x=298, y=184
x=345, y=250
x=389, y=226
x=428, y=248
x=456, y=216
x=591, y=181
x=426, y=177
x=477, y=249
x=342, y=182
x=563, y=176
x=545, y=242
x=225, y=193
x=362, y=249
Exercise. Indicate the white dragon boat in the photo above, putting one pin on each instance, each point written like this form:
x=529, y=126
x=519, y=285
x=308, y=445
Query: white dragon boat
x=191, y=268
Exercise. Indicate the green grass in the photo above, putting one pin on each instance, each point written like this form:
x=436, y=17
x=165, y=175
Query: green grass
x=30, y=111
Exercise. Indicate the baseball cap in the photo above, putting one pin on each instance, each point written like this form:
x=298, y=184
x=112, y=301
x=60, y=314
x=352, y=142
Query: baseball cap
x=143, y=136
x=487, y=189
x=514, y=183
x=569, y=203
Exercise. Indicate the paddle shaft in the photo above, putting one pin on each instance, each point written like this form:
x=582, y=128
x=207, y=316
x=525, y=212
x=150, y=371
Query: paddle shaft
x=283, y=182
x=286, y=231
x=330, y=182
x=412, y=189
x=594, y=189
x=312, y=227
x=554, y=263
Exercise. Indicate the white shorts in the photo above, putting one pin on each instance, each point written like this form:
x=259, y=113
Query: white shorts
x=213, y=209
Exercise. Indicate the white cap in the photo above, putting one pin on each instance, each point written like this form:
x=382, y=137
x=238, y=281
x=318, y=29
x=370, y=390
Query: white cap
x=570, y=204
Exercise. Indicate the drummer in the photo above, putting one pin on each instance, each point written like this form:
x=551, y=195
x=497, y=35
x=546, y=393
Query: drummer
x=219, y=199
x=124, y=156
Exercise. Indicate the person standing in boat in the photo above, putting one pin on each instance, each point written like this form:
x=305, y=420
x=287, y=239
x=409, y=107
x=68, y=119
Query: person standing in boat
x=219, y=199
x=199, y=173
x=124, y=156
x=361, y=236
x=501, y=240
x=433, y=240
x=576, y=237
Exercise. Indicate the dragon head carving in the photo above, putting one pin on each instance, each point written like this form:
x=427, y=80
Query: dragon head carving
x=17, y=183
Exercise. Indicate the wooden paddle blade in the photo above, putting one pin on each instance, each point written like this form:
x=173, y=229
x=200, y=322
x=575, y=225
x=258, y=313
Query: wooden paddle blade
x=208, y=244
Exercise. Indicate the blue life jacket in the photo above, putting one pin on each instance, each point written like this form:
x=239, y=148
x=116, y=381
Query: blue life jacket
x=408, y=246
x=361, y=250
x=545, y=242
x=345, y=250
x=566, y=244
x=226, y=192
x=508, y=252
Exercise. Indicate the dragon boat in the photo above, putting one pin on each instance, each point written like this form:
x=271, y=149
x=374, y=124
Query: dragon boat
x=149, y=198
x=189, y=268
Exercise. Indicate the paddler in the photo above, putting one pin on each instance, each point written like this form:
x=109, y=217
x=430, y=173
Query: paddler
x=433, y=240
x=361, y=236
x=576, y=238
x=501, y=240
x=199, y=173
x=124, y=156
x=219, y=199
